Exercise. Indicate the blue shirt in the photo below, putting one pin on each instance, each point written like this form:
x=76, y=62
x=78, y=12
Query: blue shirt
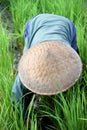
x=46, y=27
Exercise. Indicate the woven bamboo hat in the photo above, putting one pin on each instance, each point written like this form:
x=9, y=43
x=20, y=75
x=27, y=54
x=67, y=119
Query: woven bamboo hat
x=49, y=68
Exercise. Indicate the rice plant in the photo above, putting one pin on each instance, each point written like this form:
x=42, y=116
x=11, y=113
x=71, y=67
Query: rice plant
x=66, y=111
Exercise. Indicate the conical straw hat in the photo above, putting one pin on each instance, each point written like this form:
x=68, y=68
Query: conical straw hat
x=49, y=68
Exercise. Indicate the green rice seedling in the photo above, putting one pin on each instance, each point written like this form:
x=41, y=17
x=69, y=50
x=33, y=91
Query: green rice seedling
x=8, y=118
x=67, y=111
x=65, y=8
x=33, y=119
x=22, y=10
x=28, y=123
x=81, y=37
x=5, y=77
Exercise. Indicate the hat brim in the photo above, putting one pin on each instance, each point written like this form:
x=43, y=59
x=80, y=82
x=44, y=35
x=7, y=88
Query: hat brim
x=49, y=68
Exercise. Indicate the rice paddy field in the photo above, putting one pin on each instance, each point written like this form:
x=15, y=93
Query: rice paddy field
x=66, y=111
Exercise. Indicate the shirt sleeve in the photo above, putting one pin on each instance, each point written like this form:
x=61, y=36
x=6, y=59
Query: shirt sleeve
x=26, y=36
x=74, y=41
x=16, y=92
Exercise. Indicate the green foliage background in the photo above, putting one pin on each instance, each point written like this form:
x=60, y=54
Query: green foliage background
x=68, y=110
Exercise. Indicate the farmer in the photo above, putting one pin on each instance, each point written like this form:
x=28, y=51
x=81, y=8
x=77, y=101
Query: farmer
x=50, y=63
